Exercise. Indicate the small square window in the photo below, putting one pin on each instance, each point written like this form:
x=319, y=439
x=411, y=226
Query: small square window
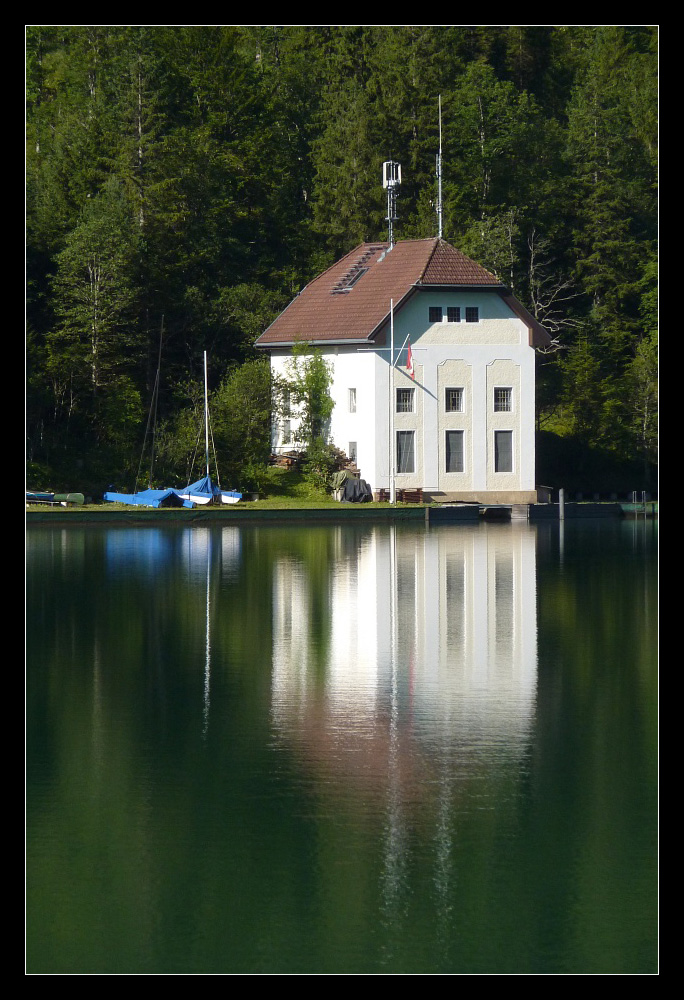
x=503, y=399
x=435, y=314
x=454, y=451
x=404, y=400
x=453, y=314
x=472, y=314
x=352, y=400
x=405, y=451
x=453, y=402
x=503, y=451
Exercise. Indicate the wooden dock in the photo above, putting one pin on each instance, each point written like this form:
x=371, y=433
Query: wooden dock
x=535, y=512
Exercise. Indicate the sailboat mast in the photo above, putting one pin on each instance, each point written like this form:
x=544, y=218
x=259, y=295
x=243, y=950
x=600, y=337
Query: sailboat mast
x=155, y=402
x=206, y=414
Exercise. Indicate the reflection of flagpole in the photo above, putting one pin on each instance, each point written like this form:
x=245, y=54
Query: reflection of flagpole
x=394, y=710
x=393, y=607
x=207, y=660
x=393, y=875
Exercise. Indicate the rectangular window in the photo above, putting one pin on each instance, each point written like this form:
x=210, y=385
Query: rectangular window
x=352, y=451
x=352, y=400
x=404, y=400
x=453, y=402
x=454, y=451
x=405, y=451
x=287, y=432
x=472, y=314
x=435, y=314
x=453, y=314
x=503, y=399
x=503, y=451
x=286, y=403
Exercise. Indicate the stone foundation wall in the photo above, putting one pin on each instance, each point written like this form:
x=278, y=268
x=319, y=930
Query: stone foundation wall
x=481, y=496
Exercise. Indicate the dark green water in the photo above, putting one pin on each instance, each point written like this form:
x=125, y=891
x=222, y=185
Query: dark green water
x=342, y=750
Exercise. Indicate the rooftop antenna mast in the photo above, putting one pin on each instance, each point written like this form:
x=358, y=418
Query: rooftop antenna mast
x=391, y=179
x=439, y=174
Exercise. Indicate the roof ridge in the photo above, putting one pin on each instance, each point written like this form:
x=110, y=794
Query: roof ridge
x=435, y=243
x=444, y=251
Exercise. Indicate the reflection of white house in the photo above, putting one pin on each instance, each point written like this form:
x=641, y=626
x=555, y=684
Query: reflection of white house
x=462, y=422
x=443, y=621
x=414, y=708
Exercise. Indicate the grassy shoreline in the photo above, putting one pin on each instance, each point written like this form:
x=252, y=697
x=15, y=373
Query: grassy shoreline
x=281, y=490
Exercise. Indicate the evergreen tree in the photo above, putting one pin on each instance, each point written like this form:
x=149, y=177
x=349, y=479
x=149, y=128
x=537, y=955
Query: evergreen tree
x=95, y=346
x=348, y=199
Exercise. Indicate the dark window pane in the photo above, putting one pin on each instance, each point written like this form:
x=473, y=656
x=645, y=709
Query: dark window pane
x=454, y=451
x=503, y=451
x=405, y=459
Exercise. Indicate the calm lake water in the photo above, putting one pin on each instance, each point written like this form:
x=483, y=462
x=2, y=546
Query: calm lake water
x=342, y=749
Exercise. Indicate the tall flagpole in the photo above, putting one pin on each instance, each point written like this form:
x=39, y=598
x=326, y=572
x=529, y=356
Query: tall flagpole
x=391, y=406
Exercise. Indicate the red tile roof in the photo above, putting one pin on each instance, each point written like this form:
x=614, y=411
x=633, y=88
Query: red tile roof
x=351, y=300
x=448, y=266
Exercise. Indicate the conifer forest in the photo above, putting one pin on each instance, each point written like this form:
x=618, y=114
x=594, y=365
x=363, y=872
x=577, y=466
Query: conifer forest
x=183, y=183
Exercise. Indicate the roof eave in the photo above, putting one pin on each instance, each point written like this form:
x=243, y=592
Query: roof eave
x=378, y=328
x=475, y=287
x=538, y=336
x=275, y=345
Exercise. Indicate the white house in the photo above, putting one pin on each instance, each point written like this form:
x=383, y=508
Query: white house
x=460, y=424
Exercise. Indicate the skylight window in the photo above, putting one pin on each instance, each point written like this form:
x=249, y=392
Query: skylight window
x=355, y=277
x=355, y=272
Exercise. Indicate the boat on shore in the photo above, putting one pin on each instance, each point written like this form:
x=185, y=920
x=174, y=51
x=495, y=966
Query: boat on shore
x=205, y=491
x=54, y=499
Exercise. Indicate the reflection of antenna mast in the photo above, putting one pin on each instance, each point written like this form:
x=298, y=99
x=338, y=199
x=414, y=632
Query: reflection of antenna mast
x=439, y=174
x=391, y=179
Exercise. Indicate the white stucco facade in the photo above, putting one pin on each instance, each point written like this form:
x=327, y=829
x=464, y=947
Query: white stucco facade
x=463, y=427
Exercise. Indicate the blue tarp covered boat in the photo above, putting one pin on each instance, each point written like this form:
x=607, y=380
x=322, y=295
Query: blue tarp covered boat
x=150, y=498
x=202, y=492
x=205, y=491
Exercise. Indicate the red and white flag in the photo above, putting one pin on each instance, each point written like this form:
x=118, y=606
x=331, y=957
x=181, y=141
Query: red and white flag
x=409, y=362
